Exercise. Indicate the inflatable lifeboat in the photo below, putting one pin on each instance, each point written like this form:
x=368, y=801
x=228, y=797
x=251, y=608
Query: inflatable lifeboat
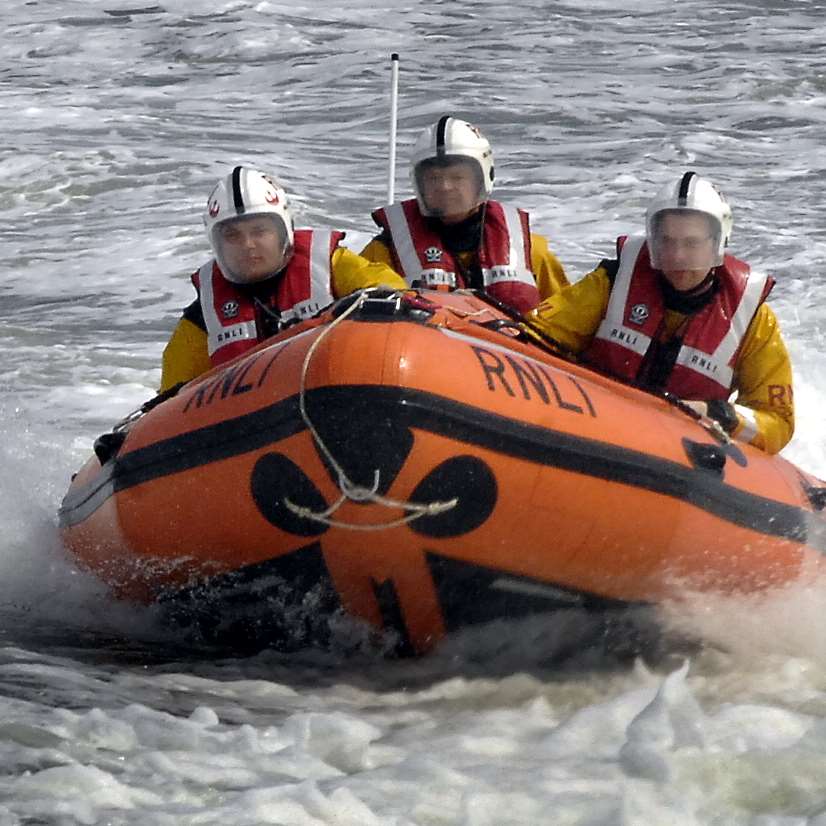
x=415, y=461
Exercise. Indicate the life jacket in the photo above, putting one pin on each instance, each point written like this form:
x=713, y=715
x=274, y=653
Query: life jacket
x=504, y=254
x=300, y=290
x=704, y=366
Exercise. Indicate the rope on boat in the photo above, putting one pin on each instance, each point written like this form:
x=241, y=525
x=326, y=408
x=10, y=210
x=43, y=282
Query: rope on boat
x=711, y=426
x=350, y=490
x=469, y=313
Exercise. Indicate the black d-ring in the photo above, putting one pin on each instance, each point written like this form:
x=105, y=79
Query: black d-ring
x=705, y=456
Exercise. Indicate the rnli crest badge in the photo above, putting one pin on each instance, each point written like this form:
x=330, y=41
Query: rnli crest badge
x=230, y=309
x=433, y=255
x=639, y=314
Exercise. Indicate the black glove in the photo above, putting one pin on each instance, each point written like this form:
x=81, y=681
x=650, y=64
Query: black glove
x=724, y=413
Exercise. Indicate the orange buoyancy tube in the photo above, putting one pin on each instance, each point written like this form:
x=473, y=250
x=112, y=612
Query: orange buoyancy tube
x=568, y=488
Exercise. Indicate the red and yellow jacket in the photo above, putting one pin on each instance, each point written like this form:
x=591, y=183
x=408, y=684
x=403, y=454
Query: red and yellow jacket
x=511, y=263
x=760, y=369
x=237, y=318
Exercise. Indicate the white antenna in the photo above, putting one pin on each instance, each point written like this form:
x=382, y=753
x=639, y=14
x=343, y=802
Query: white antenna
x=394, y=113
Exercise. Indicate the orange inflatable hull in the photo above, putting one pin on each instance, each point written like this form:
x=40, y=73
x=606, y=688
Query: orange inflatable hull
x=408, y=461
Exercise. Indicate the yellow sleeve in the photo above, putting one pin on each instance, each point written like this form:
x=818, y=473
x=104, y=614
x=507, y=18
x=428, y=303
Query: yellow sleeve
x=763, y=381
x=546, y=267
x=353, y=272
x=573, y=314
x=378, y=252
x=185, y=356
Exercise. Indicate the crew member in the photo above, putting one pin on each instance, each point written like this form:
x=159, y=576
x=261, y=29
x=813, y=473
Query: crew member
x=264, y=273
x=452, y=233
x=673, y=312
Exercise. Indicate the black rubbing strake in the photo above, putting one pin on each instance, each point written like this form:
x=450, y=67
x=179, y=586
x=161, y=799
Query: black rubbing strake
x=458, y=421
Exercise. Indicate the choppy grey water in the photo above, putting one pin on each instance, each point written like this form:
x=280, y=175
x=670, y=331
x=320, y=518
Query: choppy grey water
x=117, y=118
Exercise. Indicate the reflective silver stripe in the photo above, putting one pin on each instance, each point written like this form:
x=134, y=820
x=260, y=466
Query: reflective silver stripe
x=715, y=365
x=708, y=366
x=517, y=268
x=625, y=337
x=434, y=277
x=219, y=334
x=748, y=419
x=205, y=284
x=403, y=241
x=321, y=294
x=622, y=281
x=406, y=251
x=742, y=317
x=518, y=242
x=612, y=329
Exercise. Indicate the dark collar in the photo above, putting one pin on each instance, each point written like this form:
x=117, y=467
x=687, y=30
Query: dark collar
x=689, y=301
x=466, y=236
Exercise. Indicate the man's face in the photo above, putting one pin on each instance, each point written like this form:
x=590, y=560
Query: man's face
x=252, y=249
x=685, y=248
x=450, y=192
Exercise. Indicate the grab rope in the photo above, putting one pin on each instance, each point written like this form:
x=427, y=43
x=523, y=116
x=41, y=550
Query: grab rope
x=469, y=313
x=711, y=426
x=350, y=490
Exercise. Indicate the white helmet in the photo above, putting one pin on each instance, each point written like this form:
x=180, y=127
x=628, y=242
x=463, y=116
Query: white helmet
x=691, y=193
x=246, y=193
x=449, y=140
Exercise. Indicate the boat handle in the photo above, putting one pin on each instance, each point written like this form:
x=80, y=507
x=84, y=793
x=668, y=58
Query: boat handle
x=502, y=324
x=705, y=456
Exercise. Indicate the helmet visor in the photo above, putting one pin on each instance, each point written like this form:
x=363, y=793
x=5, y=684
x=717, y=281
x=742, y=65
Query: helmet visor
x=251, y=248
x=683, y=239
x=451, y=186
